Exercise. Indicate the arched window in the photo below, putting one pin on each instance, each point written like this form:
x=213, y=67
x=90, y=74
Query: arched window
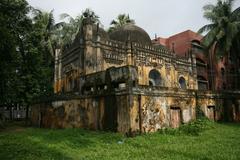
x=155, y=78
x=182, y=83
x=196, y=42
x=196, y=46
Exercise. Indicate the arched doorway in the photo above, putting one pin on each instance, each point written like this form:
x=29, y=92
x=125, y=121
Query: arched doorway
x=154, y=78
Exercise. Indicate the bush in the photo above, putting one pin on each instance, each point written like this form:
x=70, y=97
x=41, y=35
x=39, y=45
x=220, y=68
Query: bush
x=197, y=126
x=192, y=128
x=170, y=131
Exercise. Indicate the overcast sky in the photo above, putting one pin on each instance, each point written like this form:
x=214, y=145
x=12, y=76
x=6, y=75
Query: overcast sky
x=161, y=17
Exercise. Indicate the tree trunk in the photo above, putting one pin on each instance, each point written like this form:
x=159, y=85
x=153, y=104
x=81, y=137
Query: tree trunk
x=10, y=113
x=27, y=116
x=211, y=67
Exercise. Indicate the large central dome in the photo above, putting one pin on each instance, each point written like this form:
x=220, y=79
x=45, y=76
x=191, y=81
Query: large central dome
x=135, y=33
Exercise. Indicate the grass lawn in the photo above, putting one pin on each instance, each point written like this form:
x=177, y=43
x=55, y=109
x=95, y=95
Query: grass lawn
x=220, y=143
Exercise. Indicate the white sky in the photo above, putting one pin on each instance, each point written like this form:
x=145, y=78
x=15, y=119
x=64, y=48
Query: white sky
x=161, y=17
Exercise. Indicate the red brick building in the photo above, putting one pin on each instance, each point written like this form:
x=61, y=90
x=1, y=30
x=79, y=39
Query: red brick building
x=217, y=73
x=185, y=43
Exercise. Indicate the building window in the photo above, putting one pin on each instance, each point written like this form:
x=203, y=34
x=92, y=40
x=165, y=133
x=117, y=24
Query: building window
x=196, y=46
x=202, y=83
x=182, y=83
x=155, y=78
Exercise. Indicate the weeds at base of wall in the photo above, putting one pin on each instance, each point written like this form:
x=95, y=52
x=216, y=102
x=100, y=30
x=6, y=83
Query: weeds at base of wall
x=193, y=128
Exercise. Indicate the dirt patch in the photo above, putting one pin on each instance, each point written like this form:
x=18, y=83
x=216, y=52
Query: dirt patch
x=14, y=127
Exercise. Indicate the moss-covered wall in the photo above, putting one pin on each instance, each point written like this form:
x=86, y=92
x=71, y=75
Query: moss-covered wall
x=156, y=112
x=98, y=113
x=138, y=111
x=225, y=108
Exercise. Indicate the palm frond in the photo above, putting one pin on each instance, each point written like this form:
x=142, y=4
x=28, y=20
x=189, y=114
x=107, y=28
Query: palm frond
x=60, y=25
x=206, y=28
x=235, y=15
x=211, y=16
x=113, y=22
x=208, y=7
x=210, y=38
x=64, y=16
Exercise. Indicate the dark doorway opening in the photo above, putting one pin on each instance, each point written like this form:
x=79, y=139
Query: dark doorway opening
x=110, y=114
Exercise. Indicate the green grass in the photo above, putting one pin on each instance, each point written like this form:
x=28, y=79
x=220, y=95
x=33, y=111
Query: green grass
x=222, y=142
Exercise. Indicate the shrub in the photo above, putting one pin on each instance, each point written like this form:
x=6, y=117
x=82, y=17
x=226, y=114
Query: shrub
x=196, y=127
x=170, y=131
x=199, y=113
x=192, y=128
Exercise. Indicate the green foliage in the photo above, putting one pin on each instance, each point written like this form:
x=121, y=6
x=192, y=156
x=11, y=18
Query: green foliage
x=221, y=143
x=14, y=24
x=29, y=39
x=121, y=20
x=67, y=30
x=26, y=63
x=224, y=29
x=194, y=128
x=199, y=113
x=197, y=127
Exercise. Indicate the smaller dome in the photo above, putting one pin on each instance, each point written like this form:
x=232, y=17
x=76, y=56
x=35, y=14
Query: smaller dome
x=102, y=33
x=135, y=33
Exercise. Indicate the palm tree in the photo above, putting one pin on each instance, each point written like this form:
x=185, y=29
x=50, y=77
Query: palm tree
x=46, y=22
x=224, y=26
x=121, y=20
x=69, y=27
x=223, y=31
x=88, y=13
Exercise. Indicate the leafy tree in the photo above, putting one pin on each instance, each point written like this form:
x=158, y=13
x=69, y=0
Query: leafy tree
x=25, y=58
x=45, y=24
x=121, y=20
x=14, y=23
x=29, y=38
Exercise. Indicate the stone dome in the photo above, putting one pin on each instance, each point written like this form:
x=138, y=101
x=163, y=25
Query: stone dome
x=135, y=33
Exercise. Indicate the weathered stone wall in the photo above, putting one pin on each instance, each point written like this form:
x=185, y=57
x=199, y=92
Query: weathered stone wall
x=97, y=113
x=220, y=106
x=211, y=108
x=80, y=113
x=136, y=111
x=151, y=113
